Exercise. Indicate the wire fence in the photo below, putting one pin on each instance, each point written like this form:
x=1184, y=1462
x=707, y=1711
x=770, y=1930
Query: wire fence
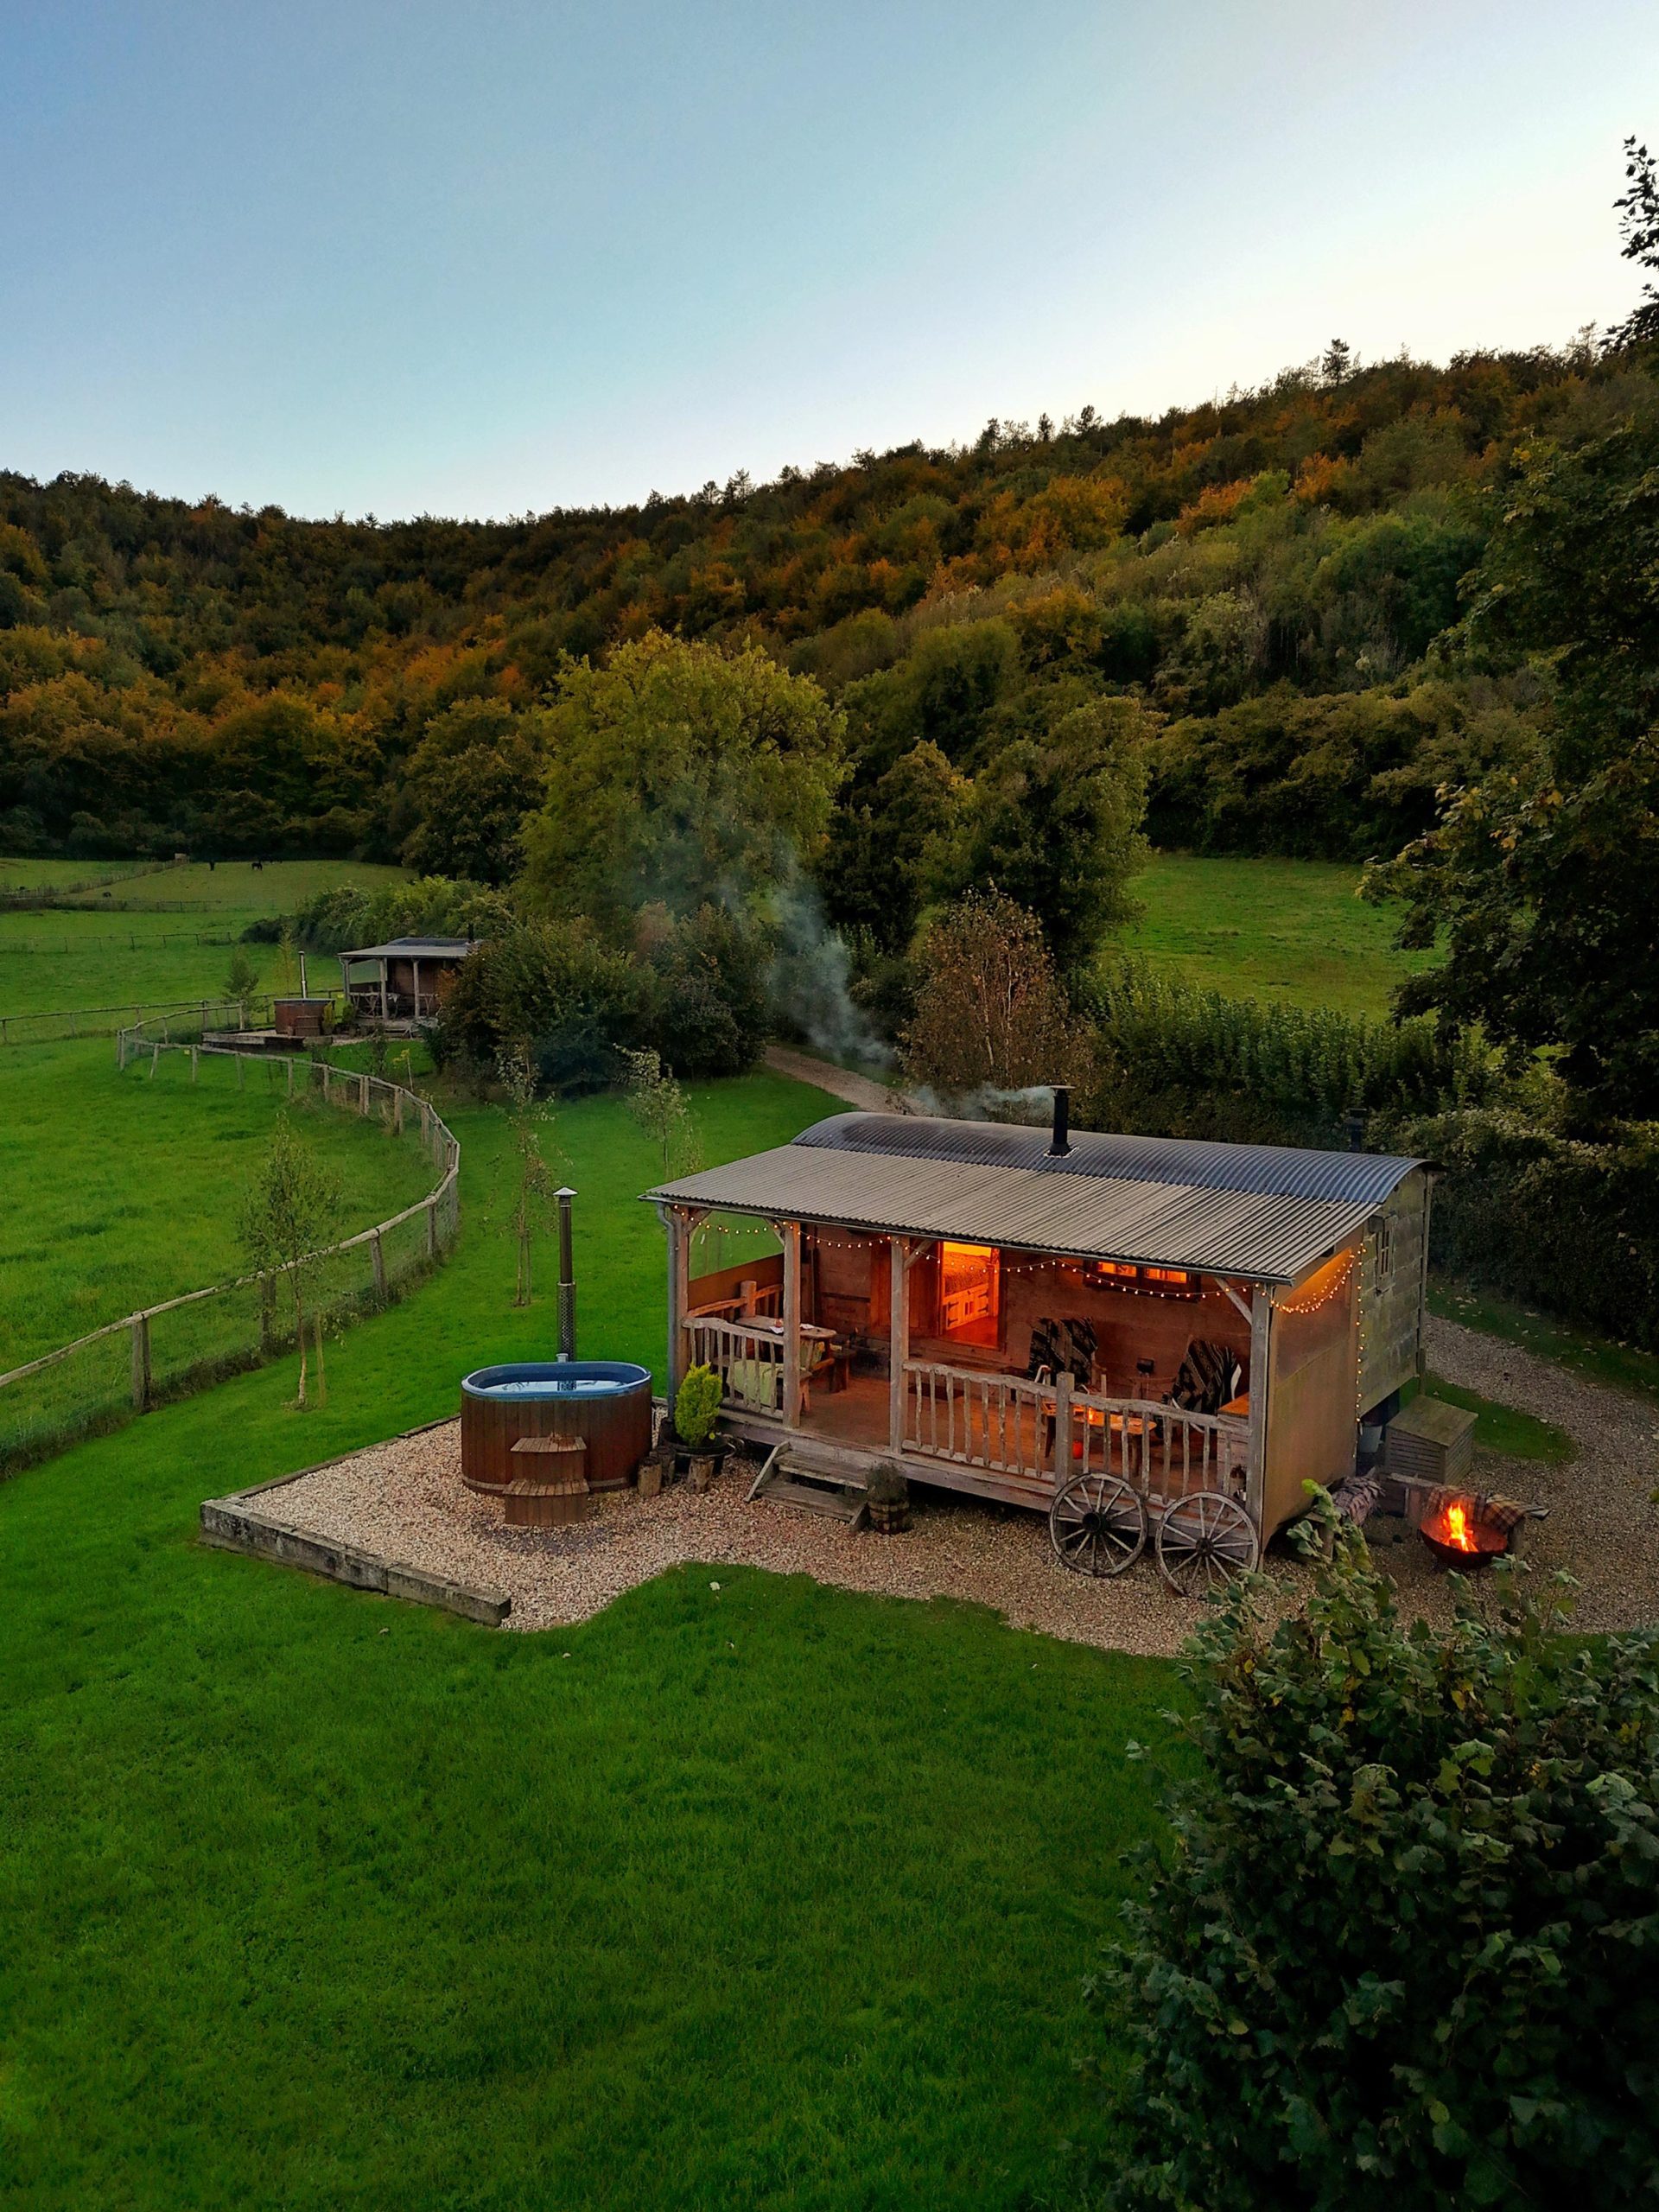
x=48, y=1026
x=129, y=940
x=181, y=1344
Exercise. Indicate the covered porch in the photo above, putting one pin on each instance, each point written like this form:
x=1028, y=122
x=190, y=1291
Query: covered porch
x=990, y=1370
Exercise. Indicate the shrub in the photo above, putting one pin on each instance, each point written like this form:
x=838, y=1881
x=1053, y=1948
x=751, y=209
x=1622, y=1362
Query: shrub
x=706, y=978
x=1294, y=1071
x=1551, y=1220
x=551, y=987
x=697, y=1406
x=1401, y=1946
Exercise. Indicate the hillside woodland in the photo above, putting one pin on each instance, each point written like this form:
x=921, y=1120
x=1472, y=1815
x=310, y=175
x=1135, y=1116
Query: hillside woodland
x=1261, y=578
x=798, y=754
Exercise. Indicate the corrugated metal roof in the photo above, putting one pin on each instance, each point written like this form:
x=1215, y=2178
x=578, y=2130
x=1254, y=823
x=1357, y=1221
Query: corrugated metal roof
x=415, y=948
x=1266, y=1236
x=1277, y=1170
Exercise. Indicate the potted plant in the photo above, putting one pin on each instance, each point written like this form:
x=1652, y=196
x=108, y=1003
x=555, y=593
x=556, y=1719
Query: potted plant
x=696, y=1408
x=887, y=1499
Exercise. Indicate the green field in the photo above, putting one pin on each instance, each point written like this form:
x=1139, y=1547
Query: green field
x=770, y=1896
x=122, y=1190
x=1290, y=931
x=142, y=951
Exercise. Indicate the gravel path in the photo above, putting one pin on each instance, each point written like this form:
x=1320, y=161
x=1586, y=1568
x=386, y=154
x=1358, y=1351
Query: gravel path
x=860, y=1090
x=404, y=1500
x=1603, y=1525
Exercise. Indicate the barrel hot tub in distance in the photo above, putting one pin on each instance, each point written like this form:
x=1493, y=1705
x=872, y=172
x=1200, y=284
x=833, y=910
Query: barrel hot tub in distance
x=605, y=1403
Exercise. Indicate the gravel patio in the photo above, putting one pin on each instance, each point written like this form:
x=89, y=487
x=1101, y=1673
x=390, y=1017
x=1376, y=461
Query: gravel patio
x=404, y=1500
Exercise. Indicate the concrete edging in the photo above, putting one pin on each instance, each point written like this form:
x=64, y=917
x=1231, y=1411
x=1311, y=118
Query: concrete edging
x=232, y=1524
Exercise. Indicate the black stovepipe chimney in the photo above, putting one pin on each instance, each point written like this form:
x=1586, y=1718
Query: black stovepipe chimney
x=1060, y=1142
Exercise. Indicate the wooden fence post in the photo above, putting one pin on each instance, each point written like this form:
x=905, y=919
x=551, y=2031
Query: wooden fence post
x=363, y=1095
x=432, y=1229
x=289, y=1065
x=140, y=1362
x=397, y=1111
x=378, y=1258
x=155, y=1055
x=195, y=1055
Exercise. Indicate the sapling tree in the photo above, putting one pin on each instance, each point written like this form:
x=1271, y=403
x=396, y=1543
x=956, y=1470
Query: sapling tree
x=532, y=1187
x=659, y=1106
x=289, y=1212
x=241, y=978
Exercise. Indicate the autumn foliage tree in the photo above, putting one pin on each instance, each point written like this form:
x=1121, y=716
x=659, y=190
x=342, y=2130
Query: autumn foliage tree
x=992, y=1015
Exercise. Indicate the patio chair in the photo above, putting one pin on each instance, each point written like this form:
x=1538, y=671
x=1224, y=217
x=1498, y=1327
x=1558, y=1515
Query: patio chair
x=1207, y=1378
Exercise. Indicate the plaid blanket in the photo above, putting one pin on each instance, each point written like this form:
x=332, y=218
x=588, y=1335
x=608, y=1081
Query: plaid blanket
x=1064, y=1347
x=1207, y=1377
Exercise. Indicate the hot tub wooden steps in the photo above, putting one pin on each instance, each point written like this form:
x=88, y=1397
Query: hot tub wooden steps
x=556, y=1493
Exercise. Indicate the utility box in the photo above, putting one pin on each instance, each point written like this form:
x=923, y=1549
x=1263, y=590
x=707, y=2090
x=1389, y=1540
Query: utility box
x=1430, y=1442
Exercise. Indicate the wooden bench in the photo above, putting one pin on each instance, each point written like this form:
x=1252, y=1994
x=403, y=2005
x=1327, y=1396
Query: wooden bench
x=554, y=1494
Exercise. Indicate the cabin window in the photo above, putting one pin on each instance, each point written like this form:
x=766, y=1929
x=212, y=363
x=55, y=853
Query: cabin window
x=970, y=1292
x=1384, y=1250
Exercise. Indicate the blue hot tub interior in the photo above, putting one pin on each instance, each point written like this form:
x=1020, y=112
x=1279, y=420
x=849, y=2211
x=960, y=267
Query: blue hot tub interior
x=570, y=1378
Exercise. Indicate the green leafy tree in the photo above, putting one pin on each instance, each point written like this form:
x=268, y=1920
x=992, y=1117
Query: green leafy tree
x=1399, y=1950
x=881, y=845
x=470, y=783
x=682, y=774
x=290, y=1210
x=1639, y=218
x=1542, y=879
x=1054, y=822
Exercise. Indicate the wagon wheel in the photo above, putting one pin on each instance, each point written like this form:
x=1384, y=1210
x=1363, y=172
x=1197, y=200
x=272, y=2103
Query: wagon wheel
x=1098, y=1525
x=1205, y=1543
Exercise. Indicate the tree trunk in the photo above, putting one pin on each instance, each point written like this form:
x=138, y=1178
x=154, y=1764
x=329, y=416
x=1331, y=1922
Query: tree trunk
x=299, y=1320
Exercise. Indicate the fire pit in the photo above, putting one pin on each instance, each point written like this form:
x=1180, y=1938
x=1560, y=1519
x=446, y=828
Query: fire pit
x=1460, y=1536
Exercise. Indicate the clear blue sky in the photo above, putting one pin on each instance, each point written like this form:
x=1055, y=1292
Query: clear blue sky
x=481, y=257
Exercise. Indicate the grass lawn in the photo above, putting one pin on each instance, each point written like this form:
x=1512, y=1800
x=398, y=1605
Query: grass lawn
x=767, y=1895
x=1503, y=1428
x=122, y=1190
x=141, y=952
x=1291, y=930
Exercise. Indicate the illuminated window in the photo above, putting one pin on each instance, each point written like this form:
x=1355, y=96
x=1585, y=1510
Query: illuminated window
x=969, y=1287
x=1173, y=1278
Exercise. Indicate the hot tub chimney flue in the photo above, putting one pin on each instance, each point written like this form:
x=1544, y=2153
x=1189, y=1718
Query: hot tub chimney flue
x=1060, y=1143
x=567, y=1279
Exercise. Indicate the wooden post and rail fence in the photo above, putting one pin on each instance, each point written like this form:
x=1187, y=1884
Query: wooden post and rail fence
x=115, y=1371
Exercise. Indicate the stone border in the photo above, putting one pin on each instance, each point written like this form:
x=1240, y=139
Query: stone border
x=231, y=1523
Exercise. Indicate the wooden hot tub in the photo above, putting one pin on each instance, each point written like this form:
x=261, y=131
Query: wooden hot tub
x=604, y=1403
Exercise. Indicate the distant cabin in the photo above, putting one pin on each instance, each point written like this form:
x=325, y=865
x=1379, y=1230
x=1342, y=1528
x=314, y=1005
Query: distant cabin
x=998, y=1307
x=404, y=981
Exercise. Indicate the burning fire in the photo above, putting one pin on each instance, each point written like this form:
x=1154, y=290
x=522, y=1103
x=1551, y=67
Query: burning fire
x=1456, y=1531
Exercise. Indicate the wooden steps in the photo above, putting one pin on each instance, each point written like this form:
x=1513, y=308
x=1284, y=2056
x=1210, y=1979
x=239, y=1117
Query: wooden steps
x=792, y=1479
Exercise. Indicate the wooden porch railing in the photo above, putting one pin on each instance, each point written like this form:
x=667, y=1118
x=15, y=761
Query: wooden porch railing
x=1160, y=1450
x=979, y=1419
x=1006, y=1424
x=749, y=1362
x=768, y=1301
